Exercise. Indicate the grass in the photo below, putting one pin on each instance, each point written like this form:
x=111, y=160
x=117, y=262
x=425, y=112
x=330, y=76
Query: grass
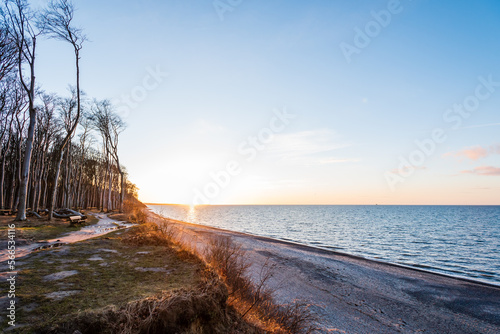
x=144, y=280
x=35, y=229
x=125, y=274
x=254, y=298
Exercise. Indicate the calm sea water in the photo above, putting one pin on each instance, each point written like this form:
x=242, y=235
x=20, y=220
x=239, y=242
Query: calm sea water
x=455, y=240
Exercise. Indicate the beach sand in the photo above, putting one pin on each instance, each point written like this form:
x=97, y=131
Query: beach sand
x=350, y=294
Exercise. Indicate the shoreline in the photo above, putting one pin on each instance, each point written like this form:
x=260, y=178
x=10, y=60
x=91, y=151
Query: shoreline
x=354, y=294
x=340, y=253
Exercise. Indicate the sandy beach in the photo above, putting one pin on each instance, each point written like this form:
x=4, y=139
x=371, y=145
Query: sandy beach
x=354, y=295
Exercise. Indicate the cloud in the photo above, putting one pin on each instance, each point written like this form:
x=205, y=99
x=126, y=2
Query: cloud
x=475, y=153
x=304, y=142
x=327, y=161
x=405, y=170
x=480, y=126
x=495, y=149
x=483, y=170
x=311, y=147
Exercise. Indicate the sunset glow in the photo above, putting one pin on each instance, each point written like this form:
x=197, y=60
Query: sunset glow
x=299, y=104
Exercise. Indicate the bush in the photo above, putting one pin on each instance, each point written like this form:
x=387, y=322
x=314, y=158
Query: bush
x=203, y=310
x=228, y=260
x=151, y=234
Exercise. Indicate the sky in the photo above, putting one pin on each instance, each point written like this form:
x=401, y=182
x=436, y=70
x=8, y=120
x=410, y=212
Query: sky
x=296, y=102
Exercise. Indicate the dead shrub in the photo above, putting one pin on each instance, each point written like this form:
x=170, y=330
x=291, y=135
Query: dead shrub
x=296, y=317
x=138, y=216
x=229, y=262
x=151, y=234
x=131, y=203
x=203, y=310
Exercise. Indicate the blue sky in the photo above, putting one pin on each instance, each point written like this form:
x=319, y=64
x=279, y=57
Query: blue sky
x=353, y=120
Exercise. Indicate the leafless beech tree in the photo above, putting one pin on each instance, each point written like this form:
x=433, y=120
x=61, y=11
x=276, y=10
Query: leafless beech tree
x=56, y=22
x=19, y=19
x=8, y=53
x=45, y=133
x=48, y=156
x=110, y=125
x=15, y=104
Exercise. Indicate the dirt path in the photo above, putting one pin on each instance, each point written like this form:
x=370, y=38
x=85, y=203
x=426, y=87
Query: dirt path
x=354, y=295
x=105, y=225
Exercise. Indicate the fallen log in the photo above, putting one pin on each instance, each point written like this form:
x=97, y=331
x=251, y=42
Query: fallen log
x=34, y=214
x=55, y=214
x=66, y=213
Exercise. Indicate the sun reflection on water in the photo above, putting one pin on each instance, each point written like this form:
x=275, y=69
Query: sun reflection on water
x=191, y=216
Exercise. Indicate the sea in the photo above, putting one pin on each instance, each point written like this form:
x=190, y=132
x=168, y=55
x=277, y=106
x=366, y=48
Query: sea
x=461, y=241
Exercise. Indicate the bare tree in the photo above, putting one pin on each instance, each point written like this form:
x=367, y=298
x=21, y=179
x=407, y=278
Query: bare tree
x=18, y=18
x=8, y=53
x=116, y=127
x=56, y=22
x=15, y=104
x=69, y=118
x=110, y=125
x=86, y=140
x=40, y=165
x=46, y=130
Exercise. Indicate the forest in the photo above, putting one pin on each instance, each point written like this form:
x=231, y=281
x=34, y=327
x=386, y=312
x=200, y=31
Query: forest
x=56, y=151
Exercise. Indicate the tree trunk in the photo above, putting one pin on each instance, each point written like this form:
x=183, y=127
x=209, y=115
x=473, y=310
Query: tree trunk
x=21, y=210
x=18, y=176
x=53, y=196
x=110, y=189
x=2, y=180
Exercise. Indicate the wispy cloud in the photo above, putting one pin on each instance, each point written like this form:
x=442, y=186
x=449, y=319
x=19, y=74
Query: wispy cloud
x=483, y=170
x=405, y=170
x=327, y=161
x=313, y=147
x=479, y=126
x=475, y=153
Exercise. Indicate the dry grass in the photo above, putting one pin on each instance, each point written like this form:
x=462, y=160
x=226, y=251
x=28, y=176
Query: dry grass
x=235, y=304
x=135, y=211
x=228, y=260
x=151, y=234
x=34, y=229
x=117, y=298
x=119, y=216
x=254, y=299
x=119, y=281
x=201, y=310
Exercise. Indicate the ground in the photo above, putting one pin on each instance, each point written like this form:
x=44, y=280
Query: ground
x=95, y=273
x=350, y=294
x=122, y=281
x=34, y=229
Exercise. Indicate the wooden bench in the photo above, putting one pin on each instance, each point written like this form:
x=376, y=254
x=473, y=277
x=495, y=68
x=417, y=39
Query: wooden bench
x=76, y=220
x=5, y=212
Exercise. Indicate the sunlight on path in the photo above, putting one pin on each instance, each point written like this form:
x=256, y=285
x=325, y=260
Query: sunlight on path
x=104, y=226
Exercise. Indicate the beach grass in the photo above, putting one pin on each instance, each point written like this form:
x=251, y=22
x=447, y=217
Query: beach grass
x=145, y=279
x=103, y=271
x=34, y=229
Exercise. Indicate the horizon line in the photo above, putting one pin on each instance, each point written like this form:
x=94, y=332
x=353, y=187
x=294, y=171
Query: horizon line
x=185, y=204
